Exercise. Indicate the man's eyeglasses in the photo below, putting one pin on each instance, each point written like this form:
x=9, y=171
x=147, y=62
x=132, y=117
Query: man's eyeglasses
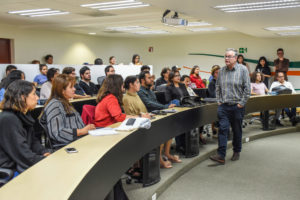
x=229, y=57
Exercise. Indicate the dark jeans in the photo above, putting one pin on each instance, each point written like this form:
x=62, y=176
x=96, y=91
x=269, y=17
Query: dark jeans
x=230, y=115
x=290, y=112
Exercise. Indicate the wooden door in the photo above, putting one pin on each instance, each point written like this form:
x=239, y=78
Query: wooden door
x=5, y=51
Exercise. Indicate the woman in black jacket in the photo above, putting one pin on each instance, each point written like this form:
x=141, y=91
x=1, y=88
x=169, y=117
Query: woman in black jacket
x=19, y=149
x=175, y=89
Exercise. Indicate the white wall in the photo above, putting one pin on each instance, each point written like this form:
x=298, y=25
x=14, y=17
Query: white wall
x=69, y=48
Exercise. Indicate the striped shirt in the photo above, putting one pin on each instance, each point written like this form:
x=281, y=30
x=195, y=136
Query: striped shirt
x=62, y=127
x=233, y=86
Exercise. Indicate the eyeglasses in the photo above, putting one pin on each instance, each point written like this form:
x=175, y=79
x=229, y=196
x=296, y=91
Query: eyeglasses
x=229, y=57
x=177, y=75
x=280, y=76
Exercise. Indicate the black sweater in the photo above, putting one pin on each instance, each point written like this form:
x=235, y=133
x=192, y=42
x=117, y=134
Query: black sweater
x=173, y=93
x=88, y=89
x=19, y=149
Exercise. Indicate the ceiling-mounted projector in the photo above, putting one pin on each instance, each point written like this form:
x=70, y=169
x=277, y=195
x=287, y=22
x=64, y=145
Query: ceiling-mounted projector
x=174, y=20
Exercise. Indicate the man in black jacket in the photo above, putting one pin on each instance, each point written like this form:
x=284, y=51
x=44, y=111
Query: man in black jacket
x=85, y=83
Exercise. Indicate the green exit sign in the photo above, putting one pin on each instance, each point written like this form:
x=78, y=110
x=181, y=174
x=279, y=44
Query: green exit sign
x=242, y=50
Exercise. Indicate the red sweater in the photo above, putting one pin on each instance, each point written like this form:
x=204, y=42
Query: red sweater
x=108, y=111
x=197, y=80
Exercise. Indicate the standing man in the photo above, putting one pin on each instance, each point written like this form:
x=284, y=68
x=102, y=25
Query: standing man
x=232, y=92
x=281, y=64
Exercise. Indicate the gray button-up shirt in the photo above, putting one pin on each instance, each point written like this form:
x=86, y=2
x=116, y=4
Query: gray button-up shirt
x=233, y=86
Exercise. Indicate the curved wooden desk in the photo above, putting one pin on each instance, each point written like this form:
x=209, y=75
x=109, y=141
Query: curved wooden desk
x=100, y=161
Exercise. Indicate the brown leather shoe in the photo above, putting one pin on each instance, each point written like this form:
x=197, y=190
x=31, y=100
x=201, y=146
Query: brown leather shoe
x=217, y=158
x=235, y=156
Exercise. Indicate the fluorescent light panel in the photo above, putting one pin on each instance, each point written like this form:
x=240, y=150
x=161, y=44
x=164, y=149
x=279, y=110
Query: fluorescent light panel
x=124, y=7
x=258, y=6
x=50, y=14
x=92, y=33
x=115, y=5
x=107, y=3
x=127, y=28
x=118, y=5
x=198, y=24
x=28, y=11
x=283, y=28
x=38, y=12
x=151, y=32
x=207, y=29
x=289, y=33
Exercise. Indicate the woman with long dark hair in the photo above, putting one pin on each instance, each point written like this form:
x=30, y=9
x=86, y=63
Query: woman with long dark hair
x=19, y=148
x=110, y=99
x=63, y=122
x=263, y=67
x=241, y=60
x=195, y=77
x=136, y=60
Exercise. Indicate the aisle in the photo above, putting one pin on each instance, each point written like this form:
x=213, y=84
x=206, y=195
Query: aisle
x=269, y=169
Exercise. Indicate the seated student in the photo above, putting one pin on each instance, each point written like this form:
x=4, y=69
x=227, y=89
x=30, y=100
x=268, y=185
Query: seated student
x=9, y=69
x=46, y=87
x=195, y=77
x=185, y=79
x=164, y=77
x=41, y=78
x=13, y=76
x=19, y=149
x=108, y=70
x=112, y=60
x=145, y=68
x=110, y=99
x=281, y=80
x=212, y=83
x=35, y=62
x=49, y=59
x=136, y=60
x=133, y=104
x=149, y=99
x=175, y=89
x=148, y=96
x=98, y=61
x=85, y=83
x=79, y=92
x=258, y=86
x=64, y=123
x=212, y=91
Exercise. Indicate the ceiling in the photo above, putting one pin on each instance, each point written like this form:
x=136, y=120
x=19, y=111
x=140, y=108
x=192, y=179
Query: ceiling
x=85, y=20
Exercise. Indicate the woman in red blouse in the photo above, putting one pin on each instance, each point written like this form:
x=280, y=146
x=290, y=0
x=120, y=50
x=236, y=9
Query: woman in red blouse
x=108, y=110
x=195, y=77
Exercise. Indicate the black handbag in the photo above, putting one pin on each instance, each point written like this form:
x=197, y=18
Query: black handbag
x=190, y=101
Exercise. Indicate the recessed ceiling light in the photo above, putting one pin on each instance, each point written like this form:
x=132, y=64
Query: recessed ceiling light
x=127, y=28
x=115, y=5
x=92, y=33
x=50, y=14
x=207, y=29
x=151, y=32
x=198, y=24
x=27, y=11
x=289, y=33
x=38, y=12
x=258, y=6
x=283, y=28
x=107, y=3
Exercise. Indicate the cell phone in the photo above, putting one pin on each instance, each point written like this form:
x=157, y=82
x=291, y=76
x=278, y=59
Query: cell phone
x=71, y=150
x=130, y=122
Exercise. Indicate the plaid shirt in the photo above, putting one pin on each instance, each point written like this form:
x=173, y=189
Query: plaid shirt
x=233, y=86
